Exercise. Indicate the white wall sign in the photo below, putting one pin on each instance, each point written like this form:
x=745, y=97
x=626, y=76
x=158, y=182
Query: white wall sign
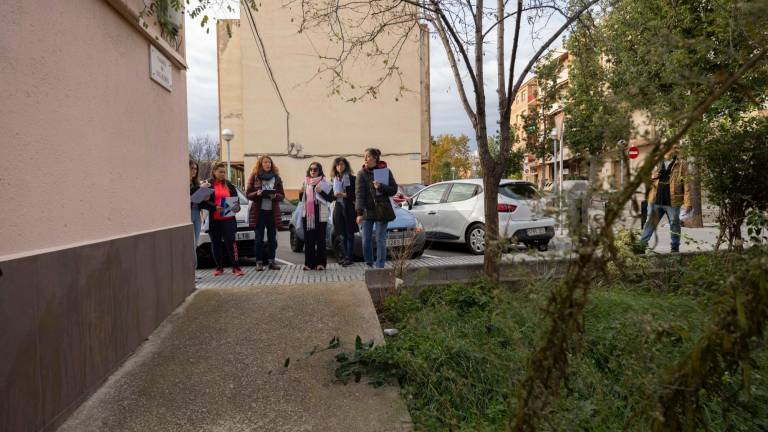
x=160, y=69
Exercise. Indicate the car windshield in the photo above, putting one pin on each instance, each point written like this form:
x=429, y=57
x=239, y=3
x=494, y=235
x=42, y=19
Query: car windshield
x=412, y=189
x=519, y=191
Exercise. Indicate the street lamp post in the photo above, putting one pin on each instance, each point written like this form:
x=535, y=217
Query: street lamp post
x=453, y=173
x=622, y=145
x=227, y=134
x=553, y=135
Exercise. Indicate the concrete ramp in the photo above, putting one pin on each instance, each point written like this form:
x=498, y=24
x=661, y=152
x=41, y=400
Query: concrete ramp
x=217, y=364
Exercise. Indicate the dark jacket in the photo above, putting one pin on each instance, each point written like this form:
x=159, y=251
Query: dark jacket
x=344, y=215
x=211, y=203
x=366, y=195
x=680, y=194
x=254, y=185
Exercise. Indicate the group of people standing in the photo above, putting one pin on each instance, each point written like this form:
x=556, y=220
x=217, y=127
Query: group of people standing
x=361, y=202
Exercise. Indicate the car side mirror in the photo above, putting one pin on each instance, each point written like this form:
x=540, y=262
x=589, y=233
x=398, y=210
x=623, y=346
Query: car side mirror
x=410, y=204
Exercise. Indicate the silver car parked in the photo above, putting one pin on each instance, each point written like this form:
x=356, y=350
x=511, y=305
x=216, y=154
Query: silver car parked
x=453, y=211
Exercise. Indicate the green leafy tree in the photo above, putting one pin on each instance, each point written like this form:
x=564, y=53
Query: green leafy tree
x=735, y=154
x=449, y=151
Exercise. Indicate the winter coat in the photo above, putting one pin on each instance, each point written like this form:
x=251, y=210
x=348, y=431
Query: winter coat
x=254, y=185
x=679, y=189
x=344, y=215
x=365, y=193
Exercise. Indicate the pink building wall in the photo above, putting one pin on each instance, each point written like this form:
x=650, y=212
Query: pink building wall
x=95, y=232
x=91, y=148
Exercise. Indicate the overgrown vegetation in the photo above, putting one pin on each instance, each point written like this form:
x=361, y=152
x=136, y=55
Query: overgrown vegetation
x=462, y=352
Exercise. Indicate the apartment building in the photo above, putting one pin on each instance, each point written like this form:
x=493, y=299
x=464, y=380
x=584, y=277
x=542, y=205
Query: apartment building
x=274, y=101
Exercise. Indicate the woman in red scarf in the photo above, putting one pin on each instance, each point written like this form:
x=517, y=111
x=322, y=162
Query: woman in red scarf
x=314, y=217
x=370, y=194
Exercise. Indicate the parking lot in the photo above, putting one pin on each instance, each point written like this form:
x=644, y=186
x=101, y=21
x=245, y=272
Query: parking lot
x=287, y=257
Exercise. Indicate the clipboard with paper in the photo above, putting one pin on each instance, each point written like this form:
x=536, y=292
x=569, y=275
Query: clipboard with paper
x=230, y=206
x=381, y=175
x=201, y=195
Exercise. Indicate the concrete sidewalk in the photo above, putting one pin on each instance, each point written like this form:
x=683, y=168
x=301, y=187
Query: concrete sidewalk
x=217, y=365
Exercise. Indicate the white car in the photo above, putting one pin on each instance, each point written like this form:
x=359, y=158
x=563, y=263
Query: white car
x=453, y=211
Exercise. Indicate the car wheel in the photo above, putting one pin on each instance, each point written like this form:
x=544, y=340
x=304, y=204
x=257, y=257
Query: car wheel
x=297, y=245
x=543, y=247
x=475, y=239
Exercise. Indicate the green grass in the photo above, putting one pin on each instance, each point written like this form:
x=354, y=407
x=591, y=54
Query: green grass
x=462, y=350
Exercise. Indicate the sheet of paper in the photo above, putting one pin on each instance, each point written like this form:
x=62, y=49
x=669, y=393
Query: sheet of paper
x=325, y=186
x=381, y=175
x=201, y=195
x=338, y=186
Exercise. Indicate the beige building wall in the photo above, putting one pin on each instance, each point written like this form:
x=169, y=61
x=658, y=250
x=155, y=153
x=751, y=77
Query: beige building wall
x=92, y=148
x=228, y=34
x=324, y=125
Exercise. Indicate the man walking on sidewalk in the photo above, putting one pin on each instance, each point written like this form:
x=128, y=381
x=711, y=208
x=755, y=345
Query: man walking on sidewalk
x=669, y=192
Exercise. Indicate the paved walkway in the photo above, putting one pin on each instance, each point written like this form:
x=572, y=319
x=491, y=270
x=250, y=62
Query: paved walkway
x=217, y=364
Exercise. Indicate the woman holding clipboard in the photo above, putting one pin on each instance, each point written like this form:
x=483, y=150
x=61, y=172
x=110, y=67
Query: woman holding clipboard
x=375, y=186
x=221, y=221
x=315, y=194
x=344, y=224
x=265, y=189
x=196, y=204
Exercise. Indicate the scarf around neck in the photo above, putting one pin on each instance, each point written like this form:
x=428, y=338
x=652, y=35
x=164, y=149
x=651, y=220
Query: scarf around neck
x=309, y=194
x=267, y=176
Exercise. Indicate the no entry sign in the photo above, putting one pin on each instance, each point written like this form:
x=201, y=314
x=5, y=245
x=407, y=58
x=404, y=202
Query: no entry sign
x=633, y=152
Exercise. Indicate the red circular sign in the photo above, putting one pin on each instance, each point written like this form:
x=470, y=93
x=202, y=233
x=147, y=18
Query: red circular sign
x=633, y=152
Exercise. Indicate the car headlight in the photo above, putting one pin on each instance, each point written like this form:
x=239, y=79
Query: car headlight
x=419, y=226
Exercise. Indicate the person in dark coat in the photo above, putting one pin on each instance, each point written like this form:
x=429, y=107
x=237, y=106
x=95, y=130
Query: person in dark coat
x=194, y=185
x=344, y=223
x=314, y=217
x=222, y=229
x=265, y=189
x=368, y=194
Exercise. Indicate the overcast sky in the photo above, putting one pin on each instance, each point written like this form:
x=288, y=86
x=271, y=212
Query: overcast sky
x=448, y=116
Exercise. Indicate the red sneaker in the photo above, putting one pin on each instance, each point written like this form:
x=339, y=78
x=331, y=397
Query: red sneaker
x=238, y=272
x=218, y=272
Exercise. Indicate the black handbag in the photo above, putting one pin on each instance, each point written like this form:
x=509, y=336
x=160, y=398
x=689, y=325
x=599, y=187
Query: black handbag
x=383, y=211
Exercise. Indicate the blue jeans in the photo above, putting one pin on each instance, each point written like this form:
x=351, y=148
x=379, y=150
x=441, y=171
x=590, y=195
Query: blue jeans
x=196, y=231
x=655, y=213
x=381, y=242
x=349, y=246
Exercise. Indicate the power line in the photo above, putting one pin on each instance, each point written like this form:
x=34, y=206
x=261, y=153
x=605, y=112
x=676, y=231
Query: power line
x=263, y=54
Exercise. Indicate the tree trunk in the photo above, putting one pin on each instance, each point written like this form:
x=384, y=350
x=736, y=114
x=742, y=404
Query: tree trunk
x=493, y=245
x=696, y=219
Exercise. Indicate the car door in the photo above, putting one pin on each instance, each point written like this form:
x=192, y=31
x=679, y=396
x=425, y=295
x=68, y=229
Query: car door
x=426, y=207
x=457, y=210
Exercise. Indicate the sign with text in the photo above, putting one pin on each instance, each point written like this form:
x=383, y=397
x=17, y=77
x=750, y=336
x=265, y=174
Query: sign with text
x=160, y=68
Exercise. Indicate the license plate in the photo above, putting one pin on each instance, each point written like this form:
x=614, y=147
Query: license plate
x=245, y=235
x=536, y=231
x=395, y=242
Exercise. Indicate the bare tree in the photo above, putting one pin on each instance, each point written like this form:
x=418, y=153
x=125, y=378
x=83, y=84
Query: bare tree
x=380, y=28
x=204, y=149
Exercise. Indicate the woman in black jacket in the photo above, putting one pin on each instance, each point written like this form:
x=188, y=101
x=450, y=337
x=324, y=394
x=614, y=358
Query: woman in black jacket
x=194, y=185
x=314, y=217
x=344, y=223
x=373, y=207
x=223, y=226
